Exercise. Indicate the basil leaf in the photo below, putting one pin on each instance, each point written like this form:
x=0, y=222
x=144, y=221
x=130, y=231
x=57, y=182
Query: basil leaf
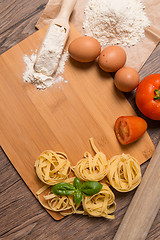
x=78, y=197
x=77, y=183
x=63, y=189
x=90, y=188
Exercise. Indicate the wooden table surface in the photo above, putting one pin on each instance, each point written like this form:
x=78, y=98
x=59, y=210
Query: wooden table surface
x=22, y=217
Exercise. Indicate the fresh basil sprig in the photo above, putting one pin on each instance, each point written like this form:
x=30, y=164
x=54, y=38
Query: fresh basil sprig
x=78, y=196
x=63, y=189
x=77, y=183
x=88, y=188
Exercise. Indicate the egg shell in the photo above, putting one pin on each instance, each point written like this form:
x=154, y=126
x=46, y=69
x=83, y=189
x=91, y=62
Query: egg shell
x=126, y=79
x=112, y=58
x=84, y=49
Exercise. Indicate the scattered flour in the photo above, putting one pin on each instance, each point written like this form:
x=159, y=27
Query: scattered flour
x=47, y=66
x=115, y=21
x=40, y=80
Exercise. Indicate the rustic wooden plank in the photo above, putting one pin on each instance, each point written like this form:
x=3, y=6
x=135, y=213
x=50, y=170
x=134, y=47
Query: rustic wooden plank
x=17, y=20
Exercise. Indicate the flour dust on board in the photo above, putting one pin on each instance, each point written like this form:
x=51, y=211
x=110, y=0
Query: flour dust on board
x=50, y=56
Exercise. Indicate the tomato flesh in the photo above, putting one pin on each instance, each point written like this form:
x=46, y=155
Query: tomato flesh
x=129, y=129
x=123, y=130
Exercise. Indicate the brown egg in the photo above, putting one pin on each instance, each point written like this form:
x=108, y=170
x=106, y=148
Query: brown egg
x=112, y=58
x=126, y=79
x=84, y=49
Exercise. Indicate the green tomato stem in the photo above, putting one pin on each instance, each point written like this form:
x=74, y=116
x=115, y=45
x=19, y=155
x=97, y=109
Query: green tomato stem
x=157, y=92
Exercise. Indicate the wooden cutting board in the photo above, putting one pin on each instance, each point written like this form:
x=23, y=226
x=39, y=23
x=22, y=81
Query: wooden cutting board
x=62, y=117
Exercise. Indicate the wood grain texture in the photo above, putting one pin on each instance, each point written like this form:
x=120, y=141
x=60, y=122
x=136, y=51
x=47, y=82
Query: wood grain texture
x=64, y=116
x=17, y=20
x=21, y=215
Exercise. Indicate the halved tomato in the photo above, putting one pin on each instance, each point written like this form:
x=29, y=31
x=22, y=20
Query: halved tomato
x=129, y=129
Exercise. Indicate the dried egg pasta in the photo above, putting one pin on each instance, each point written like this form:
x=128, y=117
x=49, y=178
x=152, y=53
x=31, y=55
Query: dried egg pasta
x=124, y=173
x=91, y=168
x=52, y=167
x=101, y=204
x=63, y=204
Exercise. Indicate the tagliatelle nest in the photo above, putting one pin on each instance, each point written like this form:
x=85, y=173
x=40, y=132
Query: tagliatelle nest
x=101, y=204
x=124, y=173
x=91, y=168
x=52, y=167
x=65, y=205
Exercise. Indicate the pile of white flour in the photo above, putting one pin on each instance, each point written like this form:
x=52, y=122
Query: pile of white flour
x=115, y=21
x=51, y=56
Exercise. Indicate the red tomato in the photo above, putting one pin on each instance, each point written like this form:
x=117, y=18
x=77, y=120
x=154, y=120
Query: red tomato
x=128, y=129
x=148, y=96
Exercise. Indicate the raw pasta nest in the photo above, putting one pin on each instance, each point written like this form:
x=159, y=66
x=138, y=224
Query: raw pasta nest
x=52, y=167
x=91, y=168
x=124, y=173
x=101, y=204
x=63, y=204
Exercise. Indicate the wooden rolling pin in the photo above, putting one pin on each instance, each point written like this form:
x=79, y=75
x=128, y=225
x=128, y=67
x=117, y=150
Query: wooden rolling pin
x=144, y=205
